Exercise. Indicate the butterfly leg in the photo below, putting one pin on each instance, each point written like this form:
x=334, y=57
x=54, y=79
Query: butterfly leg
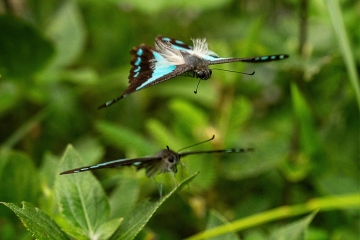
x=159, y=186
x=174, y=178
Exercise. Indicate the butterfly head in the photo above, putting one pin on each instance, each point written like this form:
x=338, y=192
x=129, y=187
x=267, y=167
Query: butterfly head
x=203, y=74
x=169, y=161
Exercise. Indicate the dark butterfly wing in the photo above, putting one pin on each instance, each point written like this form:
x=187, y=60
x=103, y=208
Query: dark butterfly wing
x=229, y=150
x=149, y=67
x=249, y=59
x=114, y=163
x=215, y=59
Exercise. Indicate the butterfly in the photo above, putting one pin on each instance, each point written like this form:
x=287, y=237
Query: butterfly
x=171, y=58
x=164, y=161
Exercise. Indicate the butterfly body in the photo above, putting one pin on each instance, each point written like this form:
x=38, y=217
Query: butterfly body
x=171, y=58
x=168, y=163
x=164, y=161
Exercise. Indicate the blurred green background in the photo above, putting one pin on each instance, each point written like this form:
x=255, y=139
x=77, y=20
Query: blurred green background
x=59, y=60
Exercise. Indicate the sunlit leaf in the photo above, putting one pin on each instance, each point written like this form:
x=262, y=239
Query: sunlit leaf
x=82, y=200
x=37, y=222
x=67, y=31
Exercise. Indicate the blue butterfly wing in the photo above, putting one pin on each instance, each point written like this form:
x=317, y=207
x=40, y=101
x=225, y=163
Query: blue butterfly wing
x=149, y=68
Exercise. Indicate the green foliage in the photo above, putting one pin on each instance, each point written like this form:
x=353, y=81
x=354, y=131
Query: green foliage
x=24, y=51
x=37, y=222
x=59, y=60
x=85, y=208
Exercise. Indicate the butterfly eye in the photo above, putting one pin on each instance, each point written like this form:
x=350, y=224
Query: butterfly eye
x=171, y=159
x=200, y=74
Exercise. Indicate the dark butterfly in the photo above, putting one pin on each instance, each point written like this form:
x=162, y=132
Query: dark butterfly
x=171, y=58
x=164, y=161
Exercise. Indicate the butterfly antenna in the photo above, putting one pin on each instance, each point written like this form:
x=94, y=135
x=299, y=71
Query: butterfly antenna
x=197, y=86
x=208, y=140
x=234, y=71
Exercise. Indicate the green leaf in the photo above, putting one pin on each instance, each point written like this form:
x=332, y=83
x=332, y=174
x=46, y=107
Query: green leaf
x=90, y=149
x=40, y=225
x=18, y=177
x=161, y=5
x=108, y=228
x=128, y=186
x=216, y=219
x=142, y=213
x=124, y=138
x=188, y=116
x=160, y=132
x=82, y=200
x=24, y=51
x=337, y=20
x=308, y=137
x=294, y=231
x=240, y=112
x=67, y=31
x=350, y=201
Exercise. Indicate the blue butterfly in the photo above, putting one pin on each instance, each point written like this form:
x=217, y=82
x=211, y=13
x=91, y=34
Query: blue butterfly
x=164, y=161
x=171, y=58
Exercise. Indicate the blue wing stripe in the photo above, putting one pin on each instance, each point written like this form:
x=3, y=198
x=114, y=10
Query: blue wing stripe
x=103, y=164
x=138, y=61
x=180, y=48
x=137, y=69
x=179, y=42
x=212, y=58
x=159, y=70
x=157, y=73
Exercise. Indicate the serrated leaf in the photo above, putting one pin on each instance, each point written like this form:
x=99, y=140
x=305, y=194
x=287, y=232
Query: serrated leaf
x=24, y=51
x=216, y=219
x=82, y=200
x=294, y=231
x=40, y=225
x=142, y=213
